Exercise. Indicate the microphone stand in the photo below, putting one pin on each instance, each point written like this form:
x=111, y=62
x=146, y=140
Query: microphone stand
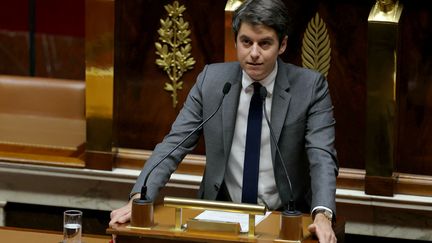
x=291, y=225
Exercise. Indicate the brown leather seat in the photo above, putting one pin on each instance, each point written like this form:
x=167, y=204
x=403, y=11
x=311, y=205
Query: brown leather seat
x=42, y=96
x=43, y=112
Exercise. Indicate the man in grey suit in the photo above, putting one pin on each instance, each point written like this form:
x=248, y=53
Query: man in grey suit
x=301, y=114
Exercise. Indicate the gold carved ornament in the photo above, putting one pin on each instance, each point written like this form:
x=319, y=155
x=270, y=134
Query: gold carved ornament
x=316, y=46
x=232, y=5
x=175, y=50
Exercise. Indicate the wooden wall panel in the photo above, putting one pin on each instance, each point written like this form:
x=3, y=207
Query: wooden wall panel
x=59, y=38
x=414, y=145
x=346, y=23
x=143, y=110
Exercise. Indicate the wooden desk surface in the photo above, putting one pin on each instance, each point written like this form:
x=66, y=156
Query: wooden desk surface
x=18, y=235
x=163, y=230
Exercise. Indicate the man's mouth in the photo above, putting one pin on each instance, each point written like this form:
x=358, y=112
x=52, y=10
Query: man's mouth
x=254, y=64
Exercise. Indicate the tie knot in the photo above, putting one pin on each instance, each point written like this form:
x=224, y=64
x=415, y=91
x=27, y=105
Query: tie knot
x=257, y=87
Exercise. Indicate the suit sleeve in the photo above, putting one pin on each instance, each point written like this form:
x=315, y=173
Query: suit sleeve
x=320, y=139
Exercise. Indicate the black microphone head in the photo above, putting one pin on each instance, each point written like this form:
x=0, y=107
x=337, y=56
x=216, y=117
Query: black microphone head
x=226, y=88
x=263, y=92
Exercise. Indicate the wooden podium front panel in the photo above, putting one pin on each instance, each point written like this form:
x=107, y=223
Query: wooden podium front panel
x=266, y=231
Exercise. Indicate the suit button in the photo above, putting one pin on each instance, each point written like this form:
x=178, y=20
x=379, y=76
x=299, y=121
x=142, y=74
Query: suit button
x=216, y=186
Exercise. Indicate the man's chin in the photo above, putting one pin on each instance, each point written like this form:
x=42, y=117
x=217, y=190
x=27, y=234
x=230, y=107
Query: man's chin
x=255, y=75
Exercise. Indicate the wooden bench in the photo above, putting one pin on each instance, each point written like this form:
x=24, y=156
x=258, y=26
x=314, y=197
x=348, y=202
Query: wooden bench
x=42, y=116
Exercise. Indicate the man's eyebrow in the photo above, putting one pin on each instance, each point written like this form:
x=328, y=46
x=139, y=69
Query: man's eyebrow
x=244, y=37
x=269, y=39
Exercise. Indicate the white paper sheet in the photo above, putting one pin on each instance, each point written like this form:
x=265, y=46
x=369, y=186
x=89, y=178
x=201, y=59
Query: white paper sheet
x=220, y=216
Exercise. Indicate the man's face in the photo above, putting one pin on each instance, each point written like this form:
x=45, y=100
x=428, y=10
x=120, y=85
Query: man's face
x=257, y=49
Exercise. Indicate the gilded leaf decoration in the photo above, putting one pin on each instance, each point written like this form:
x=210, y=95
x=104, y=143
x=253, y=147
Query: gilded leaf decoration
x=175, y=48
x=316, y=46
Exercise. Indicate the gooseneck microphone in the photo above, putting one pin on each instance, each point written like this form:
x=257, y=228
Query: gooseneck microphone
x=225, y=91
x=291, y=226
x=263, y=95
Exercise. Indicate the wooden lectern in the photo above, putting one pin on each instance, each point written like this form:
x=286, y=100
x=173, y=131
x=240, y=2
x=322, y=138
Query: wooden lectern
x=165, y=223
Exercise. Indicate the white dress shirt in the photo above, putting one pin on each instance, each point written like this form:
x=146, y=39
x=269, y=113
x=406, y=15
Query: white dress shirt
x=267, y=191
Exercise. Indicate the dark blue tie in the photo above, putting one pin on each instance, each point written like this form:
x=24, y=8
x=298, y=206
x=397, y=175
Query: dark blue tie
x=252, y=150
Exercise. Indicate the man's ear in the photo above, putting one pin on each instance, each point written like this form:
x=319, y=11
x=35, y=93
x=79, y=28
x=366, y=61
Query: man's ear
x=283, y=45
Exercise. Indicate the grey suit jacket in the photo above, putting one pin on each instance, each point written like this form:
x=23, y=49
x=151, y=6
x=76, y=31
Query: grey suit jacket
x=301, y=117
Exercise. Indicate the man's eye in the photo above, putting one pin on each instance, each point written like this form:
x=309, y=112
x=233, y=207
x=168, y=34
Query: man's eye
x=246, y=42
x=265, y=44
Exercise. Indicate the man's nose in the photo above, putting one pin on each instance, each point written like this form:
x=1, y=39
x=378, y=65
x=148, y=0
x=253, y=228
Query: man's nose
x=255, y=51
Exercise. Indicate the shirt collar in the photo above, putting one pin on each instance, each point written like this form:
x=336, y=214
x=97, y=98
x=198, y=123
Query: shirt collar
x=267, y=82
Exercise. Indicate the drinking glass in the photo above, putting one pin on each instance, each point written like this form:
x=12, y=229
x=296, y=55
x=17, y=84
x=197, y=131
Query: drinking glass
x=72, y=226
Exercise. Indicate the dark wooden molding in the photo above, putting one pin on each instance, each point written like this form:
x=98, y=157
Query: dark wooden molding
x=414, y=184
x=98, y=160
x=351, y=179
x=380, y=185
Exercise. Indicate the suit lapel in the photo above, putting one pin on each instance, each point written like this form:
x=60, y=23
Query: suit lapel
x=280, y=103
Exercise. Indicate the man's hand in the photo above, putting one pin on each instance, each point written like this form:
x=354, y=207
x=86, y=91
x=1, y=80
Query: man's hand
x=123, y=214
x=322, y=228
